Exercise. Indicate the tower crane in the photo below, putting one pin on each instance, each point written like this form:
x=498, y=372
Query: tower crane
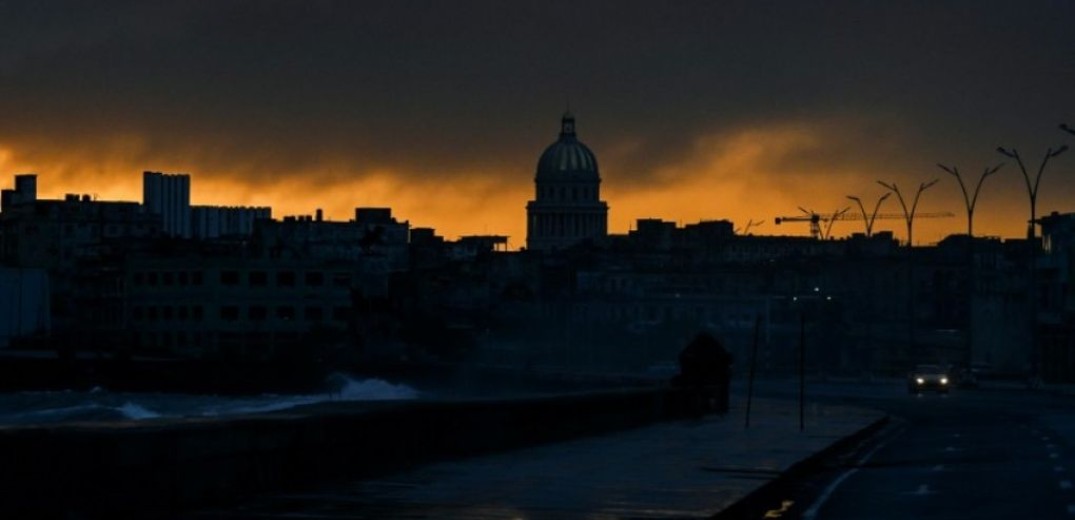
x=815, y=219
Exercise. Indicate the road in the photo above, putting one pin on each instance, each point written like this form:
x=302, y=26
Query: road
x=971, y=454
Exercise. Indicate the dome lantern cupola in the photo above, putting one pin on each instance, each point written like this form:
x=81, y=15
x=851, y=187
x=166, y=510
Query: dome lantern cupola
x=567, y=159
x=567, y=126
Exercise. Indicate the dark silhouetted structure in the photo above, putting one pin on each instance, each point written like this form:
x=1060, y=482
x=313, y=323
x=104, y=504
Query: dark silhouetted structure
x=567, y=208
x=704, y=375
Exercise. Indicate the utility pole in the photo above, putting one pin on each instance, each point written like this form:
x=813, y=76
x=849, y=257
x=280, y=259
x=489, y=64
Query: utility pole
x=970, y=202
x=908, y=215
x=753, y=366
x=802, y=369
x=1032, y=293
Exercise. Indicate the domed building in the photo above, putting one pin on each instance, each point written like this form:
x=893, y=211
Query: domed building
x=567, y=206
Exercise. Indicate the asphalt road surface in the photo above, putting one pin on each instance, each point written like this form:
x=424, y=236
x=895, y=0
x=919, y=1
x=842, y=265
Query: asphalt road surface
x=971, y=454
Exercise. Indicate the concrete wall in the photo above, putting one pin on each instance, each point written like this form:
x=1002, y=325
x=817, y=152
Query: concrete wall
x=151, y=468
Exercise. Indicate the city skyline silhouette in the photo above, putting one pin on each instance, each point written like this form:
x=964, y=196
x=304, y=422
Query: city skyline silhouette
x=696, y=112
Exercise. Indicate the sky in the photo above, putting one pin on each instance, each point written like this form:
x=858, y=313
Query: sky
x=738, y=110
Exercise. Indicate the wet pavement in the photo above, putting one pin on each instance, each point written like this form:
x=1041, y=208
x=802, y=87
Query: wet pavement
x=677, y=469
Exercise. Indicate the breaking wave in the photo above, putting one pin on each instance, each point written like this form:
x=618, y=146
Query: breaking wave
x=100, y=405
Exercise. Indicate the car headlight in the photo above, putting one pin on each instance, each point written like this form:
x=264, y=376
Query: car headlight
x=944, y=380
x=919, y=380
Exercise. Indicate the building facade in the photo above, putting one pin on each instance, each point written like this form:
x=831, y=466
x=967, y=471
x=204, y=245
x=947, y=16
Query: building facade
x=209, y=222
x=245, y=307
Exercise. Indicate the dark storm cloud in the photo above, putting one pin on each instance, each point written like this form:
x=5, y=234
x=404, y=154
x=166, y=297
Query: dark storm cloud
x=432, y=89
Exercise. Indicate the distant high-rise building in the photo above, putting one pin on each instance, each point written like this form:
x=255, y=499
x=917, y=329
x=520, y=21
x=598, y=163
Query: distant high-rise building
x=25, y=191
x=567, y=206
x=168, y=195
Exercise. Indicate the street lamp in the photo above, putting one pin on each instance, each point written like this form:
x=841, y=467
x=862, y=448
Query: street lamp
x=970, y=202
x=1031, y=233
x=1067, y=129
x=1033, y=190
x=908, y=215
x=872, y=216
x=870, y=312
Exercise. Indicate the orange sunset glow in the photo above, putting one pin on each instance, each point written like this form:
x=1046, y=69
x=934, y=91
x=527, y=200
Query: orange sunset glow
x=750, y=174
x=710, y=114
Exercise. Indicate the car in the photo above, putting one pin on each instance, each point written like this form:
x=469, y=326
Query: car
x=928, y=377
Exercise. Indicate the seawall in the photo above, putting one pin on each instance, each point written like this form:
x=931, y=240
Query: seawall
x=104, y=470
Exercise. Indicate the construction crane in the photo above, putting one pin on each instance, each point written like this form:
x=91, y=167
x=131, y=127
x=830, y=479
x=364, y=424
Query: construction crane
x=815, y=219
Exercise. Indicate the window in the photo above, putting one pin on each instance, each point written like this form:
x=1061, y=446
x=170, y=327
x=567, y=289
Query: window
x=285, y=312
x=314, y=314
x=139, y=278
x=152, y=278
x=257, y=312
x=315, y=278
x=167, y=278
x=151, y=313
x=184, y=278
x=229, y=277
x=196, y=278
x=285, y=278
x=341, y=279
x=340, y=313
x=196, y=312
x=166, y=312
x=136, y=314
x=183, y=312
x=258, y=279
x=230, y=341
x=229, y=313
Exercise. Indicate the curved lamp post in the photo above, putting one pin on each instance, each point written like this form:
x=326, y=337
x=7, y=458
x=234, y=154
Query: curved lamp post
x=872, y=216
x=970, y=201
x=908, y=215
x=1031, y=232
x=1032, y=190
